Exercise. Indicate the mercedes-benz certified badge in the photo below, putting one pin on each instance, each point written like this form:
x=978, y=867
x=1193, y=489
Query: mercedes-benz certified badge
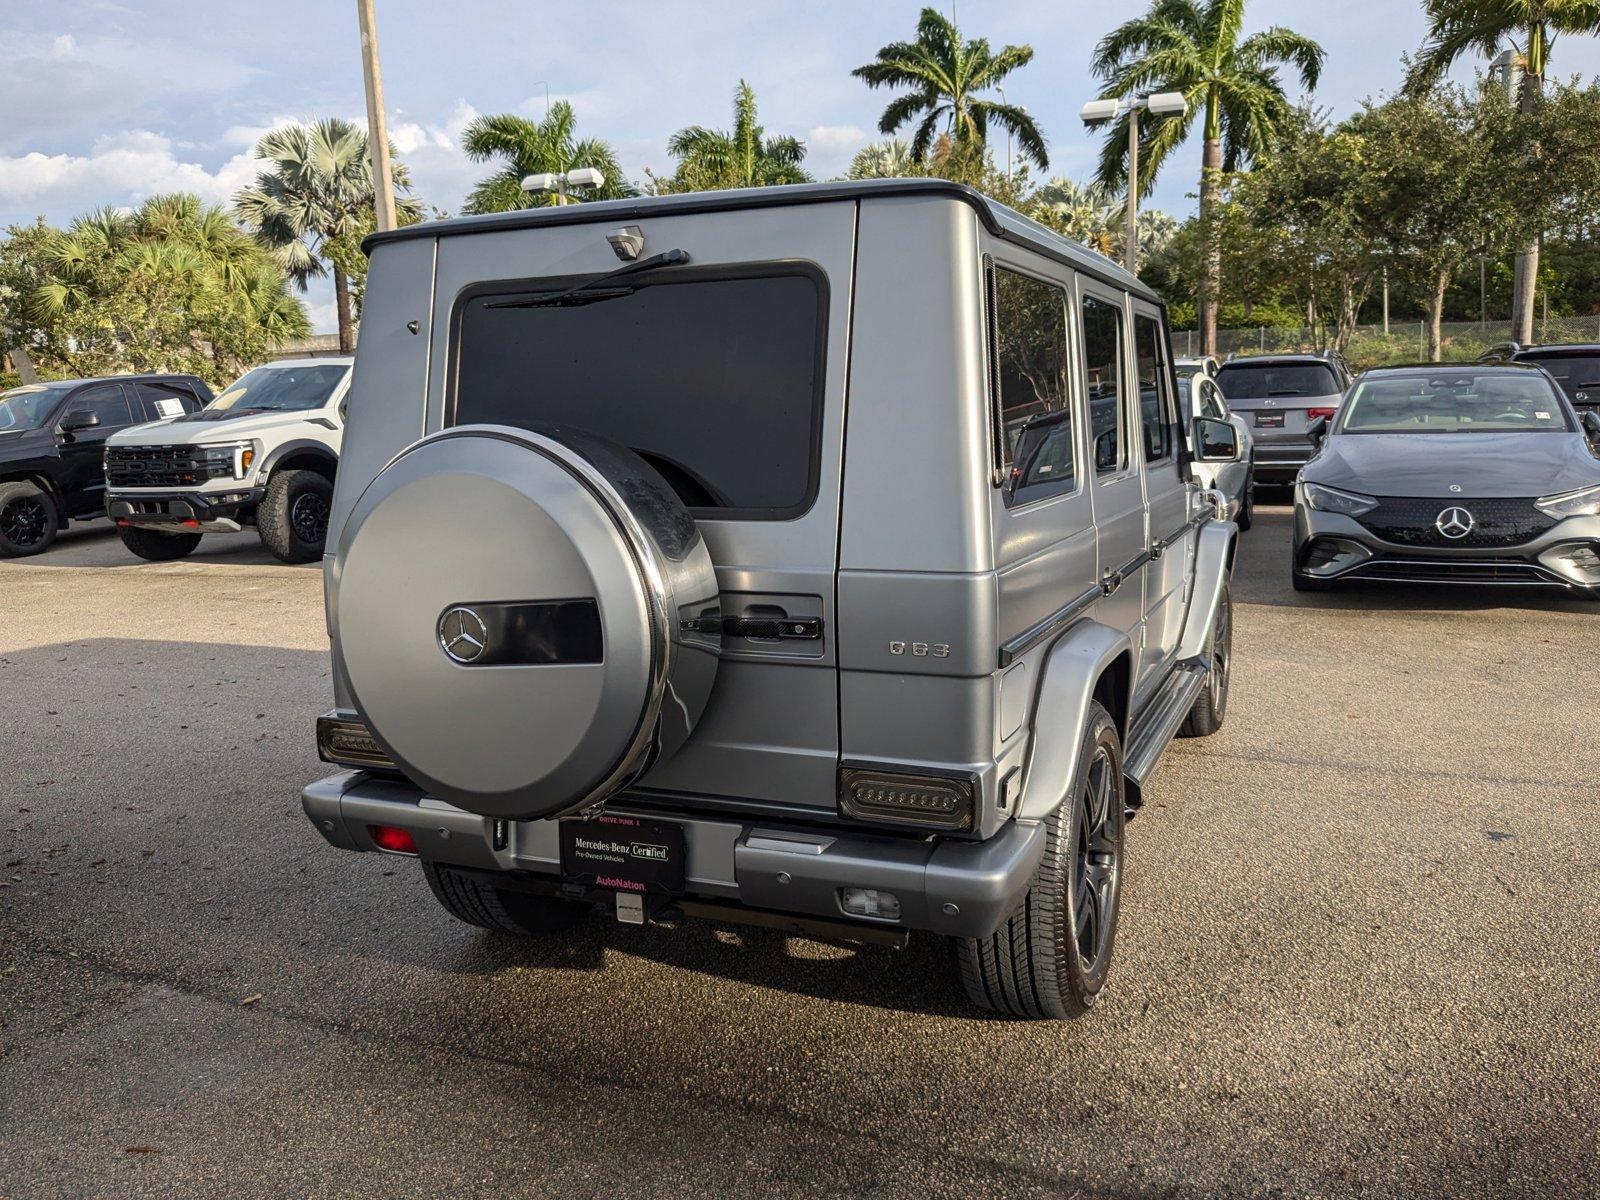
x=1454, y=523
x=462, y=635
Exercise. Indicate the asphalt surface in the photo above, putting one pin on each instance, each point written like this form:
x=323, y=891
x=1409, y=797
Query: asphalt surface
x=1357, y=957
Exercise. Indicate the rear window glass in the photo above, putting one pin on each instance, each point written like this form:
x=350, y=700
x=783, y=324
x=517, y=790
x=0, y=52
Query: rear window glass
x=716, y=382
x=1578, y=374
x=1251, y=381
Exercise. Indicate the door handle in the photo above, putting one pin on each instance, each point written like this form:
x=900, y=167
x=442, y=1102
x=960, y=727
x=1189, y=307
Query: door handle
x=778, y=629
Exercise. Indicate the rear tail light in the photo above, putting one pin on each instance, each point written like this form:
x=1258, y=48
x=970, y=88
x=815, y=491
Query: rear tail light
x=393, y=839
x=347, y=742
x=935, y=801
x=1313, y=413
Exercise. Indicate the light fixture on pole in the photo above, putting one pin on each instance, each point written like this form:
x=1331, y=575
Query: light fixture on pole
x=563, y=183
x=1099, y=112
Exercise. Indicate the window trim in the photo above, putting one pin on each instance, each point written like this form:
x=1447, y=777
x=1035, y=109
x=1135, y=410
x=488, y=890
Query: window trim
x=996, y=409
x=670, y=277
x=1165, y=398
x=1118, y=303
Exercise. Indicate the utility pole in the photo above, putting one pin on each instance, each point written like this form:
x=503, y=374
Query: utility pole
x=1131, y=257
x=1386, y=302
x=377, y=124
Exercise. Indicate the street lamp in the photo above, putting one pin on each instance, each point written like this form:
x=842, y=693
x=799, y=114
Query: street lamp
x=563, y=183
x=1099, y=112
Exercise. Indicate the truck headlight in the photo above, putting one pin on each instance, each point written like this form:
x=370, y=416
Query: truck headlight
x=1585, y=502
x=1327, y=499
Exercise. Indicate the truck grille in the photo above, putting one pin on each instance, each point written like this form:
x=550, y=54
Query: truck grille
x=167, y=466
x=1413, y=522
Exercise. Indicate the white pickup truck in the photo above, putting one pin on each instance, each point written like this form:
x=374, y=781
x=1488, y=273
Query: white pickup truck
x=263, y=453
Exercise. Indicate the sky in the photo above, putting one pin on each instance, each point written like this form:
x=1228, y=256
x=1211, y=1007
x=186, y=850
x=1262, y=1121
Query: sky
x=106, y=103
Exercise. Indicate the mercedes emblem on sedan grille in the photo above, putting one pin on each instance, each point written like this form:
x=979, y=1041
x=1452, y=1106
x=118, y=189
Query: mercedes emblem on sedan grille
x=463, y=635
x=1454, y=523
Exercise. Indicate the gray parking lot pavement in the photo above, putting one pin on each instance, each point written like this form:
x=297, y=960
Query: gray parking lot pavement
x=1358, y=953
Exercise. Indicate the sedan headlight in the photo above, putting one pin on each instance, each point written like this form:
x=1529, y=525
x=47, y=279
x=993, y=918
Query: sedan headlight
x=1327, y=499
x=1585, y=502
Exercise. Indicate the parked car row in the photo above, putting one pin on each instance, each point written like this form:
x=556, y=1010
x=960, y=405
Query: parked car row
x=169, y=462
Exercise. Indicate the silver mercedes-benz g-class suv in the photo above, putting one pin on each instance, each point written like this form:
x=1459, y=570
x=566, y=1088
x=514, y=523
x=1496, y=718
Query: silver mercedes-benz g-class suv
x=820, y=557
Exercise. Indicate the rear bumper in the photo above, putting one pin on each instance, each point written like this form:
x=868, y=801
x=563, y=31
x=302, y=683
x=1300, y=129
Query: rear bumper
x=1280, y=463
x=956, y=888
x=183, y=510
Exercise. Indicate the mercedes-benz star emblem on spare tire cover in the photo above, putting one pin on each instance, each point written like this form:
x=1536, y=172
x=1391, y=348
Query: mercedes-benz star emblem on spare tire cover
x=463, y=634
x=542, y=657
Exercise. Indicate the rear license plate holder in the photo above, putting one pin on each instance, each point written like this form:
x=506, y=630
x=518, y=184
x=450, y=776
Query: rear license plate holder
x=624, y=853
x=1269, y=420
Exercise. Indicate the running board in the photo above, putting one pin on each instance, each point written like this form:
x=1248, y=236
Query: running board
x=1158, y=724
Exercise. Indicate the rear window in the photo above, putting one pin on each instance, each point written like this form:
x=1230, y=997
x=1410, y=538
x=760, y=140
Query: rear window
x=1578, y=374
x=1261, y=381
x=715, y=381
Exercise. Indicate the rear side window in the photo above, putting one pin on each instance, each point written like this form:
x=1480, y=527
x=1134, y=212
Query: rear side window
x=1155, y=390
x=1578, y=374
x=1037, y=435
x=1251, y=381
x=164, y=400
x=715, y=381
x=1102, y=363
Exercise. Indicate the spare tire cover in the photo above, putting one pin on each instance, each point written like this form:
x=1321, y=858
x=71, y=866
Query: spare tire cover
x=527, y=621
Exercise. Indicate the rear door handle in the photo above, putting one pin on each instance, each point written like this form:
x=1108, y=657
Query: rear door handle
x=785, y=629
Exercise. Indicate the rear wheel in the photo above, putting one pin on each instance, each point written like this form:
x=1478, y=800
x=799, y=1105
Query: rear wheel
x=29, y=521
x=1211, y=705
x=1051, y=957
x=468, y=897
x=158, y=547
x=292, y=517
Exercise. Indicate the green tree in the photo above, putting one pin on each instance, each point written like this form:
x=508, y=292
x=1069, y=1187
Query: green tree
x=1529, y=27
x=172, y=286
x=885, y=160
x=944, y=72
x=314, y=202
x=1232, y=83
x=550, y=146
x=743, y=157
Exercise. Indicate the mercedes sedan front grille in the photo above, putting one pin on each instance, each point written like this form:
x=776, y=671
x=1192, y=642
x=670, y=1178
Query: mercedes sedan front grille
x=167, y=466
x=1406, y=521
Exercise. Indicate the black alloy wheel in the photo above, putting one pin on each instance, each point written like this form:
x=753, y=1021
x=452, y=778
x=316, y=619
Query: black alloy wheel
x=308, y=515
x=1098, y=862
x=25, y=521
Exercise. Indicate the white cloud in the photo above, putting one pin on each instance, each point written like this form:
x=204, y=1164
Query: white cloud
x=121, y=168
x=64, y=46
x=836, y=138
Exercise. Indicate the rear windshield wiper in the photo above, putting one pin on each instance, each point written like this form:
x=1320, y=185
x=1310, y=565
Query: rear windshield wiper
x=592, y=290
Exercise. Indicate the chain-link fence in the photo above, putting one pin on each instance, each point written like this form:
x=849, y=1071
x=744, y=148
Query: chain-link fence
x=1402, y=341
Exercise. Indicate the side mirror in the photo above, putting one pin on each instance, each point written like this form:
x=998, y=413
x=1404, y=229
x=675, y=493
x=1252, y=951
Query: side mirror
x=1591, y=423
x=79, y=421
x=1215, y=441
x=1317, y=430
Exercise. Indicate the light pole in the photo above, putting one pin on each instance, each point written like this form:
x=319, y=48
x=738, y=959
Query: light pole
x=1098, y=112
x=377, y=125
x=563, y=183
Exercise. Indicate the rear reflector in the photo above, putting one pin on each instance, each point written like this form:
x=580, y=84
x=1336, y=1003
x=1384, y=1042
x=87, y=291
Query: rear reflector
x=937, y=801
x=347, y=742
x=393, y=839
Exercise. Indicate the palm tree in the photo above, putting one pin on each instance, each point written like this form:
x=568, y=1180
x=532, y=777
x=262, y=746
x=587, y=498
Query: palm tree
x=1198, y=47
x=1087, y=213
x=1530, y=27
x=529, y=147
x=884, y=160
x=944, y=72
x=743, y=157
x=314, y=200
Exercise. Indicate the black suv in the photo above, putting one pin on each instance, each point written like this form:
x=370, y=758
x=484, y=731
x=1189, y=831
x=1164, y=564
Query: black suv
x=52, y=447
x=1575, y=366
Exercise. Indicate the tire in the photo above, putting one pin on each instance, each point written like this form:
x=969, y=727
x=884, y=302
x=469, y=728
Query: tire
x=158, y=547
x=292, y=517
x=1035, y=965
x=1211, y=705
x=1247, y=505
x=29, y=521
x=467, y=897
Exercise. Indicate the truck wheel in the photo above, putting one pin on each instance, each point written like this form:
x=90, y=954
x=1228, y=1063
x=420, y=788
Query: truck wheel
x=158, y=547
x=1050, y=958
x=292, y=517
x=466, y=897
x=1247, y=505
x=28, y=520
x=1211, y=705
